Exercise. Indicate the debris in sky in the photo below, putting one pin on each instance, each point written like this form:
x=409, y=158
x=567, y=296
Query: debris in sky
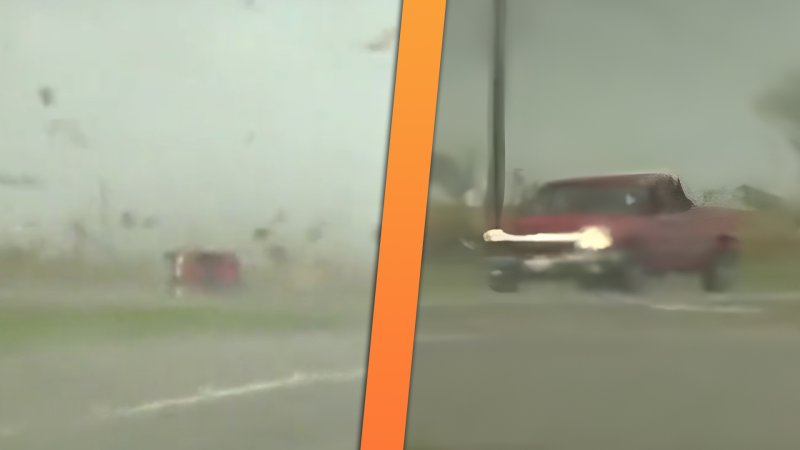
x=251, y=5
x=314, y=234
x=261, y=234
x=384, y=41
x=280, y=217
x=128, y=220
x=47, y=96
x=150, y=222
x=19, y=181
x=68, y=129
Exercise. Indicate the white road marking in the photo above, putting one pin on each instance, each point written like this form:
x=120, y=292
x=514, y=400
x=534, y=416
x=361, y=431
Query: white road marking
x=703, y=305
x=210, y=394
x=204, y=395
x=721, y=309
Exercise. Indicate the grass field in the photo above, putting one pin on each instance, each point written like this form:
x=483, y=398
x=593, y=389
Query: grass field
x=47, y=319
x=47, y=302
x=20, y=327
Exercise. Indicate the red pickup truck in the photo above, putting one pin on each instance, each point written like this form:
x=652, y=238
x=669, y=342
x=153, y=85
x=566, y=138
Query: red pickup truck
x=203, y=271
x=617, y=229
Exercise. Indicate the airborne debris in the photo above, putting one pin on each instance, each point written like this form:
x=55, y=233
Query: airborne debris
x=278, y=254
x=19, y=181
x=314, y=234
x=150, y=222
x=261, y=234
x=46, y=96
x=128, y=220
x=384, y=41
x=69, y=130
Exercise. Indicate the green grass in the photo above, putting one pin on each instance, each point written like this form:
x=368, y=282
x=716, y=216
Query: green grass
x=22, y=327
x=777, y=274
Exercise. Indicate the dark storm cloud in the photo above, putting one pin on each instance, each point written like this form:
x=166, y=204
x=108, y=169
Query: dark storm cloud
x=620, y=85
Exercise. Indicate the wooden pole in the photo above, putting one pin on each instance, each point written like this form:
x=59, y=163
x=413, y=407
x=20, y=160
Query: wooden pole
x=496, y=181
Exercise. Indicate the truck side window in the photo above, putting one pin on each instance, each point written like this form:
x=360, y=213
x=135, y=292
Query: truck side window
x=670, y=199
x=684, y=203
x=666, y=200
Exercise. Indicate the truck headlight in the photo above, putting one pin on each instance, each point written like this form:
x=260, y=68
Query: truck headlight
x=494, y=235
x=594, y=238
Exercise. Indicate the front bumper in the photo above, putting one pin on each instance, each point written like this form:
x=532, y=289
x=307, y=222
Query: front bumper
x=577, y=262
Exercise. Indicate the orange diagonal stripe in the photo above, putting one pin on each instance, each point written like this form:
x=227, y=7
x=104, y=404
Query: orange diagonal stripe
x=403, y=225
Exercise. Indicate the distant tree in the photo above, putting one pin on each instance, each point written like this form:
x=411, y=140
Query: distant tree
x=315, y=232
x=453, y=177
x=127, y=220
x=780, y=105
x=261, y=234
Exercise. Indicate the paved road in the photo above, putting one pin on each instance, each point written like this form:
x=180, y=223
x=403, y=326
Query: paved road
x=293, y=391
x=549, y=368
x=553, y=368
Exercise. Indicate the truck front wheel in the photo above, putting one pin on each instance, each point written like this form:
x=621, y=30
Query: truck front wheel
x=722, y=273
x=631, y=276
x=503, y=281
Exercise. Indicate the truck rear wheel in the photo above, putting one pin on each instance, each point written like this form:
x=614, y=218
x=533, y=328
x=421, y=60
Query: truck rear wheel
x=503, y=281
x=631, y=276
x=723, y=272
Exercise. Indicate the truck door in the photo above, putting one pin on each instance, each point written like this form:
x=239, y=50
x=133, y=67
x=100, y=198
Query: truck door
x=660, y=234
x=680, y=241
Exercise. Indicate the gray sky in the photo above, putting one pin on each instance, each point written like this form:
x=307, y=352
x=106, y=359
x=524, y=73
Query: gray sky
x=205, y=112
x=621, y=85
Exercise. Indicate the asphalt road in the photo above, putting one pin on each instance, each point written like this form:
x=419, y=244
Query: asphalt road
x=553, y=368
x=286, y=390
x=548, y=368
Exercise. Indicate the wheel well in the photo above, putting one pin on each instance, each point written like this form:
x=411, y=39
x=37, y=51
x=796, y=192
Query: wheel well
x=727, y=242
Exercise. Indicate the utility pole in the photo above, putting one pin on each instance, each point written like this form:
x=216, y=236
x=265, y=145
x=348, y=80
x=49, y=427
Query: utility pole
x=497, y=163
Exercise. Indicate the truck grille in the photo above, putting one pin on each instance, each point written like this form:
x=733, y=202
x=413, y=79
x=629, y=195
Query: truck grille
x=529, y=248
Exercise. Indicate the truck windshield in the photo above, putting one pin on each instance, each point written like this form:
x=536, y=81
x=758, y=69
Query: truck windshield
x=577, y=199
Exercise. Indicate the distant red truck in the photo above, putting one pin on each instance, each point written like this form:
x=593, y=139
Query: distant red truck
x=617, y=229
x=203, y=271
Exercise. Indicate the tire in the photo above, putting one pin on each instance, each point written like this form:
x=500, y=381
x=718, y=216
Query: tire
x=631, y=277
x=503, y=282
x=722, y=274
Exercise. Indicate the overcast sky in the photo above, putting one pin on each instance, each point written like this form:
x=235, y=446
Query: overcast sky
x=621, y=85
x=209, y=112
x=216, y=113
